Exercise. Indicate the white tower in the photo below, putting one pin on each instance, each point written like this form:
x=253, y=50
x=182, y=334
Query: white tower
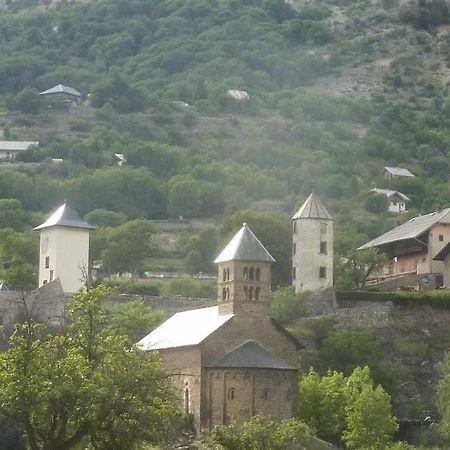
x=64, y=249
x=312, y=249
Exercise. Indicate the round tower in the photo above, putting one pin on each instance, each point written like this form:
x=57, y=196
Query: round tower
x=244, y=276
x=312, y=247
x=64, y=249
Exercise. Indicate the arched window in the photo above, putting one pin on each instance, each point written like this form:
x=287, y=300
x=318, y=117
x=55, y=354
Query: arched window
x=250, y=293
x=224, y=275
x=257, y=293
x=187, y=401
x=266, y=394
x=252, y=273
x=230, y=394
x=245, y=273
x=245, y=292
x=257, y=274
x=224, y=293
x=227, y=295
x=228, y=273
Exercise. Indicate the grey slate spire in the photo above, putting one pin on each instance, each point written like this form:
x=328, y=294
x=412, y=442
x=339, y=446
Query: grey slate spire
x=65, y=217
x=312, y=209
x=244, y=246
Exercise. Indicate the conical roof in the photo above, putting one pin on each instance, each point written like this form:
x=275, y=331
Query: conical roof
x=65, y=217
x=312, y=209
x=244, y=246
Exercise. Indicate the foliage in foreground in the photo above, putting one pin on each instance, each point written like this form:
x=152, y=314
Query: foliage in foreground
x=347, y=410
x=83, y=386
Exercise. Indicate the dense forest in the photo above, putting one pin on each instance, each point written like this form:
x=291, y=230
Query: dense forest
x=336, y=90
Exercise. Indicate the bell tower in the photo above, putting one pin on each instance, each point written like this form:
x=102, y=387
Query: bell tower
x=312, y=247
x=244, y=274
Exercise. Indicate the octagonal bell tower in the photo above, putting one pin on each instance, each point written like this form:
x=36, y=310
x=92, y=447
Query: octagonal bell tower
x=244, y=276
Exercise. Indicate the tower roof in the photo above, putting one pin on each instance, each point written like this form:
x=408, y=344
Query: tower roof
x=65, y=217
x=312, y=209
x=244, y=246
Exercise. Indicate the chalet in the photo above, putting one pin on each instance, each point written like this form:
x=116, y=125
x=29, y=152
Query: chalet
x=413, y=246
x=231, y=361
x=396, y=172
x=10, y=149
x=396, y=200
x=65, y=92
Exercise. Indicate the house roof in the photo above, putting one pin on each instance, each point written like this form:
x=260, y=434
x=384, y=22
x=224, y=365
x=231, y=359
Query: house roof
x=443, y=253
x=244, y=246
x=17, y=145
x=411, y=229
x=312, y=209
x=65, y=217
x=389, y=192
x=185, y=328
x=250, y=354
x=399, y=171
x=61, y=89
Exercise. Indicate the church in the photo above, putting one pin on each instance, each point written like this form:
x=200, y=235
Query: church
x=231, y=361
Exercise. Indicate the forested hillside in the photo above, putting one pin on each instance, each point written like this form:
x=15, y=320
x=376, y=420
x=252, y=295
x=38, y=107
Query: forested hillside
x=337, y=90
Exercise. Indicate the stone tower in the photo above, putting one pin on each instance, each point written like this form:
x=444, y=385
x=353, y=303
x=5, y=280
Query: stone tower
x=244, y=276
x=64, y=249
x=312, y=249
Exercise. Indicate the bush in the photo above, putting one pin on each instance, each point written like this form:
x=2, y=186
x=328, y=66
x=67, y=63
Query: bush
x=137, y=287
x=286, y=305
x=187, y=287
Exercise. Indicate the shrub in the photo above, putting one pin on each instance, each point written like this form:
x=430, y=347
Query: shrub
x=286, y=305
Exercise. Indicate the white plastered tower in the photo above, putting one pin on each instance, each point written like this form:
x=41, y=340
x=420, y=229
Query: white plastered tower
x=64, y=249
x=312, y=247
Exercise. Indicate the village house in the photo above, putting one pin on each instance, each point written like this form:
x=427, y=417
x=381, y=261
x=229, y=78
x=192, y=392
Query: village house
x=10, y=149
x=396, y=172
x=412, y=247
x=444, y=255
x=231, y=361
x=396, y=200
x=64, y=92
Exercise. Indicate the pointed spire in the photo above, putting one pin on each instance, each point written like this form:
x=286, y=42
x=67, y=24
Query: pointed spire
x=244, y=246
x=65, y=217
x=312, y=209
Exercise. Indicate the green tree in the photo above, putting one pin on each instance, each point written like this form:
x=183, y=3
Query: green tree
x=103, y=218
x=12, y=215
x=20, y=276
x=134, y=320
x=360, y=264
x=27, y=101
x=287, y=305
x=83, y=386
x=376, y=203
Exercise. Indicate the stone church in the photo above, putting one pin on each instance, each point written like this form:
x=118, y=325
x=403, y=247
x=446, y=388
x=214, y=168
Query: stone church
x=231, y=361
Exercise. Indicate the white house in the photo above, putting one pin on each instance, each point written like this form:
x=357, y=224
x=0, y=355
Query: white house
x=64, y=249
x=10, y=149
x=396, y=200
x=396, y=172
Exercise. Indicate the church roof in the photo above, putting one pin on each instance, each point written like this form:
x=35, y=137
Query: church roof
x=65, y=217
x=185, y=328
x=250, y=355
x=312, y=209
x=244, y=246
x=411, y=229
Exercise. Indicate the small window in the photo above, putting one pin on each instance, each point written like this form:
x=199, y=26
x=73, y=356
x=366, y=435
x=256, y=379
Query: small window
x=252, y=273
x=245, y=292
x=245, y=273
x=187, y=401
x=224, y=274
x=47, y=262
x=51, y=275
x=230, y=395
x=266, y=394
x=44, y=282
x=323, y=247
x=294, y=226
x=227, y=294
x=224, y=294
x=257, y=293
x=288, y=395
x=293, y=273
x=441, y=237
x=250, y=293
x=228, y=274
x=257, y=274
x=322, y=272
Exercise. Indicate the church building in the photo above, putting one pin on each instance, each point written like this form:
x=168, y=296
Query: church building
x=231, y=361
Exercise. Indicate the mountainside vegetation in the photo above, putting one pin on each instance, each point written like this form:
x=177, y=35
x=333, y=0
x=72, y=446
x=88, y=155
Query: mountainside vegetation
x=336, y=91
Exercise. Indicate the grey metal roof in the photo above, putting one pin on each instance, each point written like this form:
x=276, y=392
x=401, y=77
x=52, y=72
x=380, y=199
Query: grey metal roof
x=61, y=89
x=185, y=328
x=443, y=253
x=65, y=217
x=399, y=171
x=312, y=209
x=17, y=145
x=389, y=192
x=244, y=246
x=250, y=354
x=411, y=229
